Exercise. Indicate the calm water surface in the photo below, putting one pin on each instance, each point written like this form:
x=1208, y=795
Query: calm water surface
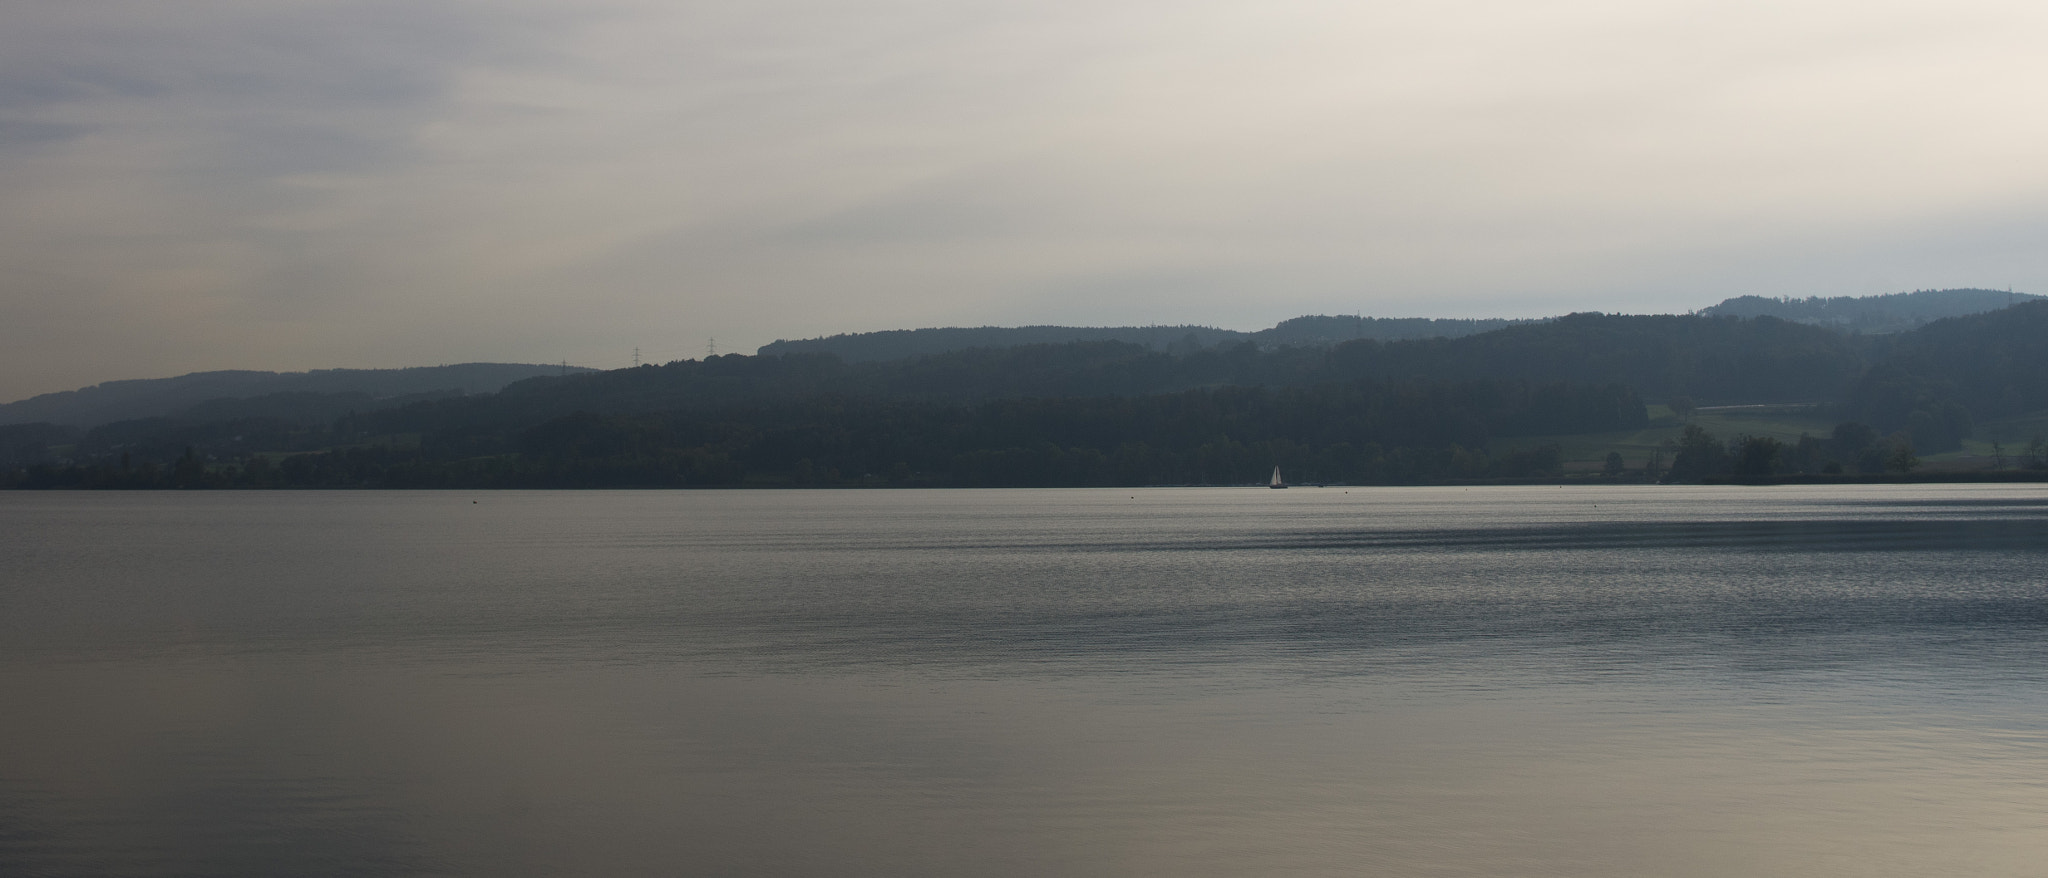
x=1429, y=681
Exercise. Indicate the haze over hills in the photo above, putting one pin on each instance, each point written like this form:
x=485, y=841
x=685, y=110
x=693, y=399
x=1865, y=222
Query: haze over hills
x=1896, y=312
x=1096, y=412
x=327, y=393
x=358, y=388
x=1087, y=412
x=1315, y=330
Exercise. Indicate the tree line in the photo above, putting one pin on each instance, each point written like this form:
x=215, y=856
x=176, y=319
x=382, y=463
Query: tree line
x=1851, y=448
x=1358, y=432
x=1929, y=386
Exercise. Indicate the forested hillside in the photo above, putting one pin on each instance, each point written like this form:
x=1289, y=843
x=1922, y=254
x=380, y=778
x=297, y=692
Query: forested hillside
x=1090, y=413
x=158, y=397
x=1937, y=380
x=1354, y=432
x=1714, y=360
x=1895, y=312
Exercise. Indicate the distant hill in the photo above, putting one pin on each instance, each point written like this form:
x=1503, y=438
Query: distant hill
x=1714, y=361
x=897, y=344
x=1937, y=380
x=157, y=397
x=1162, y=405
x=1868, y=315
x=1319, y=331
x=1872, y=315
x=1312, y=331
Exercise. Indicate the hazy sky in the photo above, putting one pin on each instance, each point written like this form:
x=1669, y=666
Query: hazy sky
x=291, y=184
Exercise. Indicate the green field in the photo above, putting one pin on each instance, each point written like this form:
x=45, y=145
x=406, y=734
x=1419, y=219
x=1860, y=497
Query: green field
x=1584, y=451
x=2010, y=434
x=1588, y=451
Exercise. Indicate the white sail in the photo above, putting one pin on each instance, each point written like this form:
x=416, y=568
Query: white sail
x=1276, y=483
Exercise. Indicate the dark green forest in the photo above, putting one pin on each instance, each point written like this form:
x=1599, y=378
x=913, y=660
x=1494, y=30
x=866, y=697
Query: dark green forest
x=1102, y=413
x=1361, y=432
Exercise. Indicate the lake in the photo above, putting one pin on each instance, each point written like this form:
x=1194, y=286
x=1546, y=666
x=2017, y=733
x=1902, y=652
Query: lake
x=1485, y=681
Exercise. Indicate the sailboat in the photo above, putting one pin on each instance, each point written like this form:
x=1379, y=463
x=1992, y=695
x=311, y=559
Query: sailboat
x=1276, y=483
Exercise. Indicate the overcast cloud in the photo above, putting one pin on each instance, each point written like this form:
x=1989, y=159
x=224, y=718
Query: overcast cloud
x=291, y=185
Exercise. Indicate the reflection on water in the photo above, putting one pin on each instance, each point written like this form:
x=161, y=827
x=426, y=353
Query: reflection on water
x=1442, y=681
